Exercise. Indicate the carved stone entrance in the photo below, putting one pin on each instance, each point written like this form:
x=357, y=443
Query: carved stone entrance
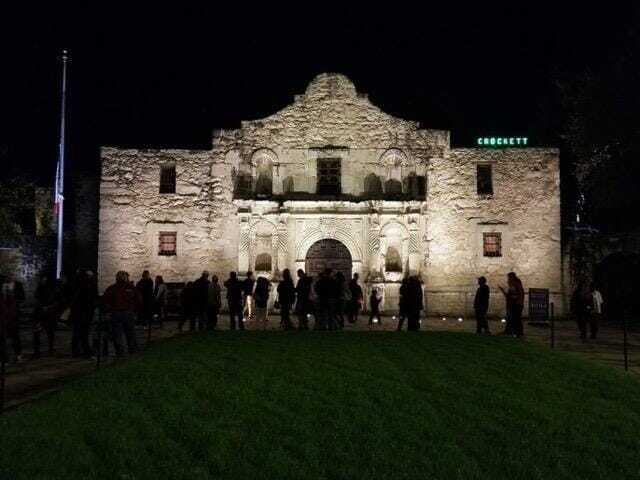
x=328, y=253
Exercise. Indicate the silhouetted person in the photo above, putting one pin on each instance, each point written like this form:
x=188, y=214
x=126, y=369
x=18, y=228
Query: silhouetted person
x=82, y=308
x=402, y=302
x=48, y=308
x=261, y=297
x=122, y=301
x=343, y=296
x=581, y=307
x=304, y=305
x=159, y=299
x=9, y=318
x=247, y=291
x=188, y=310
x=414, y=304
x=145, y=287
x=374, y=306
x=214, y=303
x=324, y=290
x=200, y=298
x=286, y=298
x=481, y=306
x=357, y=299
x=234, y=301
x=514, y=297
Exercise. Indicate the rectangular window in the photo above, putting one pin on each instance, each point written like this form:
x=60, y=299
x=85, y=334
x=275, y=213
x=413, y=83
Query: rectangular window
x=485, y=181
x=167, y=243
x=329, y=182
x=492, y=244
x=168, y=179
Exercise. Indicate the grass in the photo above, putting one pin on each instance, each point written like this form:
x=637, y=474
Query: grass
x=253, y=405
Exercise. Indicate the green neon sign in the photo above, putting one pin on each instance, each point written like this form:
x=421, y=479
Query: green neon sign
x=502, y=141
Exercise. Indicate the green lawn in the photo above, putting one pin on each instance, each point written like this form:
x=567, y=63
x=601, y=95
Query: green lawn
x=248, y=405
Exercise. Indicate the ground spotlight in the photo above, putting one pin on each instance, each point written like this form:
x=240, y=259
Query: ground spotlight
x=460, y=319
x=503, y=321
x=444, y=319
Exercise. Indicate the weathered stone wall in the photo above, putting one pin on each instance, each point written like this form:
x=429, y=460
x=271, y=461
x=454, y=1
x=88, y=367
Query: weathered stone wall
x=525, y=208
x=132, y=213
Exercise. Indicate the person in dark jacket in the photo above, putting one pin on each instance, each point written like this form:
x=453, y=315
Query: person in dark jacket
x=234, y=300
x=481, y=306
x=304, y=306
x=374, y=306
x=343, y=295
x=357, y=299
x=514, y=296
x=145, y=287
x=261, y=297
x=214, y=302
x=48, y=307
x=9, y=318
x=186, y=302
x=286, y=299
x=414, y=304
x=581, y=307
x=200, y=299
x=324, y=291
x=402, y=303
x=82, y=308
x=121, y=301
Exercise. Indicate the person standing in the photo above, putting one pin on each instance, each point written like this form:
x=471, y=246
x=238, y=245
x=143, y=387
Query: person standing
x=159, y=299
x=514, y=296
x=322, y=288
x=214, y=302
x=357, y=299
x=402, y=303
x=581, y=306
x=481, y=306
x=9, y=320
x=121, y=301
x=247, y=291
x=261, y=297
x=145, y=287
x=45, y=315
x=234, y=300
x=186, y=301
x=200, y=296
x=374, y=305
x=303, y=300
x=596, y=311
x=82, y=307
x=414, y=304
x=343, y=296
x=286, y=299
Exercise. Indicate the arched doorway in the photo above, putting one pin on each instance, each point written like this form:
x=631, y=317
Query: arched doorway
x=328, y=253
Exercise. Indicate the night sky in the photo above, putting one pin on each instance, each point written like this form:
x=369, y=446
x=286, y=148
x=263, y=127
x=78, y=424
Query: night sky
x=165, y=77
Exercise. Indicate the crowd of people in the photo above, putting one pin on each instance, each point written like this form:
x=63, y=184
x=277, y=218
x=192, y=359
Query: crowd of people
x=329, y=301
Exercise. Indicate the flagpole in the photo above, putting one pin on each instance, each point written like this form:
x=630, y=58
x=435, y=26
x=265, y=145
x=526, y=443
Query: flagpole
x=60, y=171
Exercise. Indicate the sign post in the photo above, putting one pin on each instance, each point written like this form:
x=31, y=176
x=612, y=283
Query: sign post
x=539, y=306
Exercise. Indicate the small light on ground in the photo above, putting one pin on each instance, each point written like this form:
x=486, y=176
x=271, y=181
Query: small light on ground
x=393, y=318
x=503, y=320
x=444, y=319
x=460, y=319
x=375, y=320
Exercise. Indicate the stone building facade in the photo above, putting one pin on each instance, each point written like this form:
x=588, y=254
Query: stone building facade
x=331, y=180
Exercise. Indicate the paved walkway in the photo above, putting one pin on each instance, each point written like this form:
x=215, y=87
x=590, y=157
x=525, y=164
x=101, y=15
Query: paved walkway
x=32, y=379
